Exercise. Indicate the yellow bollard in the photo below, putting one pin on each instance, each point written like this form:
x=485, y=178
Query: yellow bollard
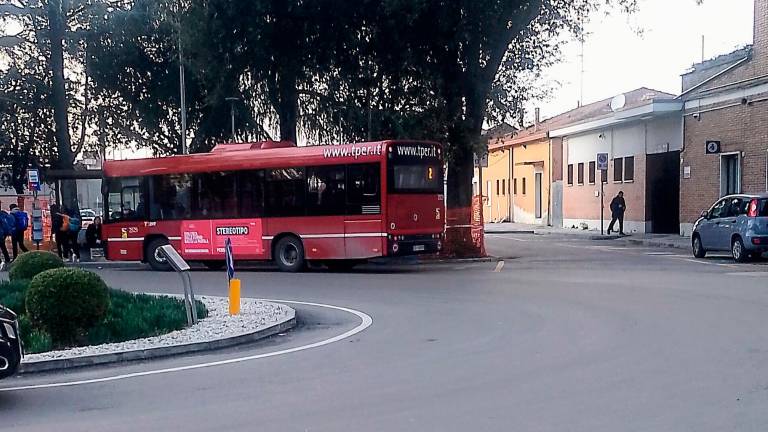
x=234, y=296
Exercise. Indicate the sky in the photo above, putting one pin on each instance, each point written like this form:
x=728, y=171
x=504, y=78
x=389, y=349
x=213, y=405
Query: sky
x=650, y=48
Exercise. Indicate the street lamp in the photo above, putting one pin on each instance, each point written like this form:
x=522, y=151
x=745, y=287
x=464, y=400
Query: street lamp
x=232, y=101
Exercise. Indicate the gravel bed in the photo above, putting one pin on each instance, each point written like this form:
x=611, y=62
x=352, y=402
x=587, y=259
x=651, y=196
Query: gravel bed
x=254, y=315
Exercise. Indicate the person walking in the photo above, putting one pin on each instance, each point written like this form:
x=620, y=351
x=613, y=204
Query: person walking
x=22, y=223
x=618, y=207
x=7, y=228
x=57, y=226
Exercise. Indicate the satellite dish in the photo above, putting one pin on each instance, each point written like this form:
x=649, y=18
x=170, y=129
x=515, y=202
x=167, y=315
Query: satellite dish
x=618, y=102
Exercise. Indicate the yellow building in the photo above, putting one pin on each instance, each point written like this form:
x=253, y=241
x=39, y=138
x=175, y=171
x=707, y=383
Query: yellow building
x=516, y=183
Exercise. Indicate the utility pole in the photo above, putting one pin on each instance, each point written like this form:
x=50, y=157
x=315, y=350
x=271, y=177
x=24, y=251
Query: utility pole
x=232, y=101
x=182, y=90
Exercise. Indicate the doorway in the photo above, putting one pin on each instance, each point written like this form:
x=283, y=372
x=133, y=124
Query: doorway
x=537, y=192
x=730, y=174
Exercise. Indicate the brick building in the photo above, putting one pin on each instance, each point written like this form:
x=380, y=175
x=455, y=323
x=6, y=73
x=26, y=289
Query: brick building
x=726, y=101
x=641, y=132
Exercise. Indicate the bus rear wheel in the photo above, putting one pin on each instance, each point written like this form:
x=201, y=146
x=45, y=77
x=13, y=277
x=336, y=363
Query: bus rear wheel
x=154, y=258
x=289, y=254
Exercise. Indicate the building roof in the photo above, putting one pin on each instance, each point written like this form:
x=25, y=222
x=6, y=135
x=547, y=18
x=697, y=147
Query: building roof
x=594, y=111
x=499, y=130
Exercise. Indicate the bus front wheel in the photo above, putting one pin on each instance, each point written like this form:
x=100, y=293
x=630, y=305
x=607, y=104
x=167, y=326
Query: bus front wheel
x=289, y=254
x=153, y=256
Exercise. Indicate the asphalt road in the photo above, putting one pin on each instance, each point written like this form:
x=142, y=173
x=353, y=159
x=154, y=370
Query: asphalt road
x=566, y=334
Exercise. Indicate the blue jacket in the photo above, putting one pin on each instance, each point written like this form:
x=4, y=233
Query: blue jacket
x=7, y=224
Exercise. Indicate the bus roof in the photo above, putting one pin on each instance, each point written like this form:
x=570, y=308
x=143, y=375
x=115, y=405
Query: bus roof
x=244, y=156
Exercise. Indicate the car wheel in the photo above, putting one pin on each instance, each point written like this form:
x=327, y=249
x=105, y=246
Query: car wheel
x=9, y=361
x=154, y=257
x=740, y=255
x=698, y=249
x=289, y=254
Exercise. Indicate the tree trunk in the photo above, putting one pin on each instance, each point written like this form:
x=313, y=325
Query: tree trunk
x=289, y=103
x=59, y=98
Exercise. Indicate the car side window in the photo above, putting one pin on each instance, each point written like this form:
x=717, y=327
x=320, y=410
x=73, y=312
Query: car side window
x=719, y=210
x=738, y=207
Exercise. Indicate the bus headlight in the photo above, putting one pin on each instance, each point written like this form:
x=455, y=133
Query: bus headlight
x=395, y=247
x=439, y=245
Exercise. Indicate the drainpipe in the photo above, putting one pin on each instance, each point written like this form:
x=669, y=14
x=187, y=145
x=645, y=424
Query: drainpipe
x=511, y=171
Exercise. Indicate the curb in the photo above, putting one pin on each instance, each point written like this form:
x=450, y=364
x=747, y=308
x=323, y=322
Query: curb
x=158, y=352
x=459, y=260
x=654, y=243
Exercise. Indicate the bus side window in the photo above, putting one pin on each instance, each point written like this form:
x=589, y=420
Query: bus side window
x=363, y=188
x=170, y=197
x=285, y=192
x=326, y=191
x=250, y=191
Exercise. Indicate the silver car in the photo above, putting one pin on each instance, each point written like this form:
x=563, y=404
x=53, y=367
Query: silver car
x=735, y=223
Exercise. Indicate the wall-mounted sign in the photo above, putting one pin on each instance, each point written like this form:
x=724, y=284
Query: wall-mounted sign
x=686, y=172
x=602, y=161
x=713, y=147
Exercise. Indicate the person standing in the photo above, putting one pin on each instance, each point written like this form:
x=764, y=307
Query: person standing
x=73, y=224
x=618, y=207
x=22, y=223
x=7, y=228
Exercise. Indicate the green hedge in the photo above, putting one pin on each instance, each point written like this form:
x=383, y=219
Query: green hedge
x=130, y=316
x=30, y=264
x=65, y=302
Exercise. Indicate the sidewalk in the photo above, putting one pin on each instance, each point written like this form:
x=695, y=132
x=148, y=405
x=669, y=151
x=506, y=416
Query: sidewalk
x=652, y=240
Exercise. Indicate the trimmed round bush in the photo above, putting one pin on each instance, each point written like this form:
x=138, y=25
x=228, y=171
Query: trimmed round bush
x=29, y=264
x=66, y=302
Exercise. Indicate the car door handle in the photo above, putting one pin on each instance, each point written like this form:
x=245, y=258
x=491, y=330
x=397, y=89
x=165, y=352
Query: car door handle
x=732, y=221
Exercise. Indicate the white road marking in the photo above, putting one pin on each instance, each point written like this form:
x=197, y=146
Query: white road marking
x=366, y=322
x=704, y=262
x=499, y=266
x=507, y=238
x=660, y=253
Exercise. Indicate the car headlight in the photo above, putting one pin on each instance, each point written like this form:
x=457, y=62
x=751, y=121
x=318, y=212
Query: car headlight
x=9, y=330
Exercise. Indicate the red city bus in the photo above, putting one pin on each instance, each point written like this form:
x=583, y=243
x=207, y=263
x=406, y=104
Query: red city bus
x=337, y=205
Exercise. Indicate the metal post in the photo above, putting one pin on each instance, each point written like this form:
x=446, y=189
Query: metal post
x=232, y=111
x=602, y=203
x=188, y=307
x=192, y=297
x=182, y=90
x=232, y=101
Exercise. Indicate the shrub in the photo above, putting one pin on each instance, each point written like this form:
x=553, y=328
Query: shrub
x=29, y=264
x=12, y=295
x=66, y=302
x=133, y=316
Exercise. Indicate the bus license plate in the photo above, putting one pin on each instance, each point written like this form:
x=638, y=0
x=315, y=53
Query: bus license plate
x=418, y=248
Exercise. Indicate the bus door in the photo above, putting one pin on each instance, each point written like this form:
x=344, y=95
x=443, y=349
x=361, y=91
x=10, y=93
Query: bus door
x=364, y=233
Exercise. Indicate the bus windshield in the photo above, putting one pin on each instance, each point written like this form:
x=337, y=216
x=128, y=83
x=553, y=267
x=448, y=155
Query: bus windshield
x=415, y=168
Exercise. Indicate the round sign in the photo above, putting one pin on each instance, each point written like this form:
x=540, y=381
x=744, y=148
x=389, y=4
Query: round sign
x=712, y=147
x=602, y=158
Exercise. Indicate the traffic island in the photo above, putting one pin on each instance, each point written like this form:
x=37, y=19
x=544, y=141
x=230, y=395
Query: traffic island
x=258, y=319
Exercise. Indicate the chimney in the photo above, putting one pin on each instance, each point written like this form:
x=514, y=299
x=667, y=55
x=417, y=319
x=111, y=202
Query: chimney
x=760, y=49
x=536, y=119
